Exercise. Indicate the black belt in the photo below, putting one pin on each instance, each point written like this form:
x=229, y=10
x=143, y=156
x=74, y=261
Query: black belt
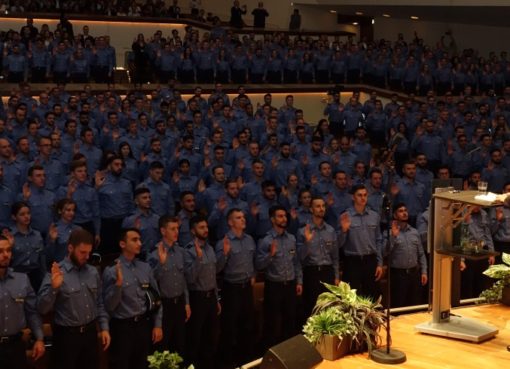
x=206, y=294
x=319, y=268
x=361, y=257
x=4, y=340
x=134, y=319
x=283, y=283
x=242, y=285
x=78, y=329
x=172, y=300
x=405, y=270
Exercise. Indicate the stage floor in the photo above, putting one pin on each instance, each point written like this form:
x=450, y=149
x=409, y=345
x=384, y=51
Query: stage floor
x=431, y=352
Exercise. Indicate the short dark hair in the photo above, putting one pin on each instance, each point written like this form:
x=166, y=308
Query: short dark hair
x=273, y=209
x=267, y=183
x=17, y=206
x=375, y=170
x=233, y=210
x=156, y=165
x=79, y=236
x=357, y=187
x=77, y=164
x=183, y=161
x=316, y=198
x=397, y=206
x=34, y=168
x=195, y=220
x=140, y=191
x=60, y=204
x=165, y=219
x=184, y=194
x=125, y=231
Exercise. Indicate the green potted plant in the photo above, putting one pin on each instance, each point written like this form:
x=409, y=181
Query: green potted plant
x=500, y=290
x=165, y=360
x=330, y=330
x=367, y=315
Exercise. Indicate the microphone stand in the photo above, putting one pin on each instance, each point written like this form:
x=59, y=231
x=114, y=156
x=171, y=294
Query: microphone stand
x=387, y=355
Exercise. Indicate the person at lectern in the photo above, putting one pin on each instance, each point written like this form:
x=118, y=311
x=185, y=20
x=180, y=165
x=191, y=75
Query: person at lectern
x=473, y=281
x=500, y=225
x=407, y=260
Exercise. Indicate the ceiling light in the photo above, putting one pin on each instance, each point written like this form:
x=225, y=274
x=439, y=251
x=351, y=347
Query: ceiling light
x=354, y=23
x=414, y=17
x=359, y=13
x=386, y=15
x=332, y=11
x=373, y=21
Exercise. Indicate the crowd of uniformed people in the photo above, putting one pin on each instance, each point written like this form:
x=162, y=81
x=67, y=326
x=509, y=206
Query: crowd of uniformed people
x=201, y=197
x=221, y=55
x=195, y=200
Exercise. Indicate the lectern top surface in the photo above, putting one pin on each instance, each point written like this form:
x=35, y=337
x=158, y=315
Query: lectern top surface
x=467, y=197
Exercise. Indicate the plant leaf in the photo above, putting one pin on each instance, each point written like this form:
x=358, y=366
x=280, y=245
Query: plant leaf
x=506, y=258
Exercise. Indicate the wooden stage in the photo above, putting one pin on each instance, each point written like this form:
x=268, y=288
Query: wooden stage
x=431, y=352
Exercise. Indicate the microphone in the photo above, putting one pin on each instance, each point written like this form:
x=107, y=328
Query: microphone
x=386, y=209
x=386, y=202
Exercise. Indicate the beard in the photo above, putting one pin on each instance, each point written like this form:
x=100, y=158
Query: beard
x=202, y=237
x=117, y=174
x=75, y=261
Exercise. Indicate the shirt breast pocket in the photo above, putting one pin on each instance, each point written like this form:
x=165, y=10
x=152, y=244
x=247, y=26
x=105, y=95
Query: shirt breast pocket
x=92, y=287
x=70, y=289
x=36, y=202
x=35, y=254
x=355, y=223
x=372, y=227
x=17, y=295
x=144, y=286
x=177, y=263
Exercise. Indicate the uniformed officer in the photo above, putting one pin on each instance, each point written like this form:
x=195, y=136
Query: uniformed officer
x=362, y=242
x=17, y=308
x=167, y=262
x=115, y=195
x=478, y=226
x=277, y=257
x=235, y=256
x=317, y=243
x=200, y=270
x=28, y=246
x=145, y=220
x=72, y=290
x=407, y=260
x=132, y=325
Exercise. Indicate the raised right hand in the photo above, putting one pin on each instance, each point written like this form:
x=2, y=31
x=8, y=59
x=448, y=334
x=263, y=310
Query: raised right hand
x=57, y=277
x=198, y=250
x=26, y=191
x=162, y=253
x=226, y=245
x=53, y=232
x=345, y=222
x=99, y=178
x=118, y=274
x=273, y=248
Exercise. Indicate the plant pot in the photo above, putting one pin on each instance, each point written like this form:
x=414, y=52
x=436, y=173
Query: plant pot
x=331, y=348
x=505, y=296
